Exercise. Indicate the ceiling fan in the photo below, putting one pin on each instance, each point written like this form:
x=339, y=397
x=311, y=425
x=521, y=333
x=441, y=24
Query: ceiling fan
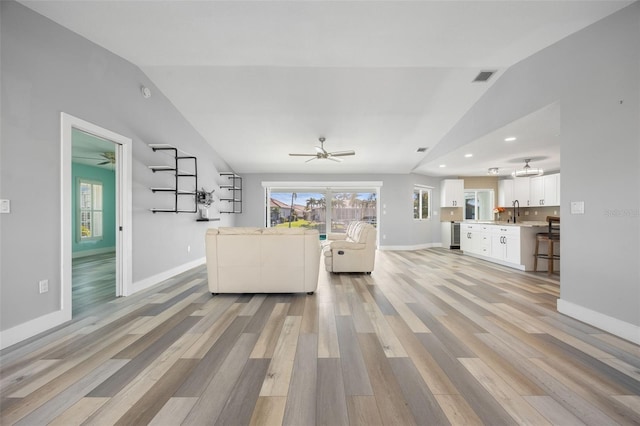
x=107, y=158
x=323, y=154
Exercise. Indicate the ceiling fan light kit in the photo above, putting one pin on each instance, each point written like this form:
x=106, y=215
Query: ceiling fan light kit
x=527, y=171
x=323, y=154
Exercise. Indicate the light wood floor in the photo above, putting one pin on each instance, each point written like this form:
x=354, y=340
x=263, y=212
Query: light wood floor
x=431, y=337
x=93, y=282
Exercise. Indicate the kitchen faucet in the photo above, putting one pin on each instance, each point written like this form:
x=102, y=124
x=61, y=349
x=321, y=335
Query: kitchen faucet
x=514, y=210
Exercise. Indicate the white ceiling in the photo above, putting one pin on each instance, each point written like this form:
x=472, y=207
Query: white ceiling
x=262, y=79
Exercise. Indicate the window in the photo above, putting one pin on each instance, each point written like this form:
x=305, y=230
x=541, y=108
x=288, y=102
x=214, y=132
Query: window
x=325, y=206
x=478, y=204
x=421, y=202
x=89, y=210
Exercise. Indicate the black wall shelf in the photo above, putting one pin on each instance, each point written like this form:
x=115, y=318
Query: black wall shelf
x=184, y=168
x=234, y=191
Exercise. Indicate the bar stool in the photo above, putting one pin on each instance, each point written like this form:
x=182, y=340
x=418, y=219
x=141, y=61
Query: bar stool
x=550, y=237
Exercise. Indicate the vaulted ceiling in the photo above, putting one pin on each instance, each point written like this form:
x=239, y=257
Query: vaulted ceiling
x=260, y=80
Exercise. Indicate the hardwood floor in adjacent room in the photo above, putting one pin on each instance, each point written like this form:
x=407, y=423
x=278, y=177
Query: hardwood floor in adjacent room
x=93, y=282
x=431, y=337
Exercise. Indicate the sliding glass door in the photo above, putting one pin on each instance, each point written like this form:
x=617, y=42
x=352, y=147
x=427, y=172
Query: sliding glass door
x=308, y=207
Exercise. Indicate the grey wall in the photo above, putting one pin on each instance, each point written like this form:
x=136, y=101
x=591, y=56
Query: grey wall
x=47, y=70
x=595, y=75
x=396, y=193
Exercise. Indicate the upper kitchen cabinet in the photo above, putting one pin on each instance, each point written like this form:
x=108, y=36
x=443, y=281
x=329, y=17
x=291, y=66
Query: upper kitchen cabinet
x=521, y=191
x=545, y=190
x=452, y=193
x=505, y=193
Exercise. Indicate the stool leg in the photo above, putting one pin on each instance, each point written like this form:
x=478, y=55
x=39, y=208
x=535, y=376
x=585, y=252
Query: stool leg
x=550, y=251
x=535, y=256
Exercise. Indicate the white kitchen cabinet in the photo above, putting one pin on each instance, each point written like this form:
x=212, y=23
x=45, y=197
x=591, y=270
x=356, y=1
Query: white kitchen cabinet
x=552, y=190
x=475, y=239
x=467, y=241
x=452, y=193
x=508, y=245
x=545, y=190
x=505, y=193
x=505, y=243
x=521, y=191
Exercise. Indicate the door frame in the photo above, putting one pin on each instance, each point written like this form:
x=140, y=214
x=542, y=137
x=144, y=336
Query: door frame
x=123, y=164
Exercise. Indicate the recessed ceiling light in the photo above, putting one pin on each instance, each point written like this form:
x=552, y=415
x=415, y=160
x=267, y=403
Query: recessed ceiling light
x=443, y=165
x=510, y=139
x=468, y=155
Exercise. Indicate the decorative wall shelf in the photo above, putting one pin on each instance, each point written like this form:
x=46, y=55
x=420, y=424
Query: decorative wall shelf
x=234, y=193
x=184, y=170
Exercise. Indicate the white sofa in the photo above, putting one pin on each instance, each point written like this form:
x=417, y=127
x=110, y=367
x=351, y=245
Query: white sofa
x=353, y=251
x=262, y=260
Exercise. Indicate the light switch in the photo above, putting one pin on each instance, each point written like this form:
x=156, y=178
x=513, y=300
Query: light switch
x=5, y=206
x=577, y=207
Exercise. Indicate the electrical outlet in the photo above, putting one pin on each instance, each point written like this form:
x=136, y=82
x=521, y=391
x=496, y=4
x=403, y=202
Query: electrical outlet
x=188, y=249
x=526, y=213
x=43, y=286
x=5, y=206
x=450, y=213
x=384, y=236
x=535, y=213
x=555, y=212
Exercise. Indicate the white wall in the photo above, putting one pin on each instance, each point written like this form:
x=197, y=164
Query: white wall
x=46, y=70
x=396, y=193
x=595, y=75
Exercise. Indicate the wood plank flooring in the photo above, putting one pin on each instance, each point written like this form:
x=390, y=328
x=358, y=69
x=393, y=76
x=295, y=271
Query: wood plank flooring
x=431, y=337
x=93, y=282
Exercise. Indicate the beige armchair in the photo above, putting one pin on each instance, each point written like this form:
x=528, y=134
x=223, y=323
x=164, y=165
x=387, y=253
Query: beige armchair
x=353, y=251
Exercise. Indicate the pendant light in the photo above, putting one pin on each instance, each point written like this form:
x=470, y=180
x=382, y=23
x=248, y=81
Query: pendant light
x=527, y=171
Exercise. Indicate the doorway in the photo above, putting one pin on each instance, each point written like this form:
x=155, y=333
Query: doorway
x=93, y=187
x=478, y=204
x=96, y=214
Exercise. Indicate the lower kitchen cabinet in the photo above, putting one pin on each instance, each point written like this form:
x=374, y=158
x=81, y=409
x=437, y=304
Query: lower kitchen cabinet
x=505, y=243
x=511, y=245
x=475, y=238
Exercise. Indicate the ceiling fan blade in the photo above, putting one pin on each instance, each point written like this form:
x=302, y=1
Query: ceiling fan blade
x=303, y=155
x=342, y=153
x=104, y=162
x=337, y=160
x=311, y=159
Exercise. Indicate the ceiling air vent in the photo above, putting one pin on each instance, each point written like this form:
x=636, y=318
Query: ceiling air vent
x=483, y=76
x=422, y=149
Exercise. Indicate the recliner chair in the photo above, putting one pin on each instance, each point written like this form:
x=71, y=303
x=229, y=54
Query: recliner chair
x=354, y=251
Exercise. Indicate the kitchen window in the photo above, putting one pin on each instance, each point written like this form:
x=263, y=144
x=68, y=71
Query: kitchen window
x=89, y=217
x=421, y=202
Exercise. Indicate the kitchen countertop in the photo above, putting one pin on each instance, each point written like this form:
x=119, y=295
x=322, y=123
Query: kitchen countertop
x=523, y=224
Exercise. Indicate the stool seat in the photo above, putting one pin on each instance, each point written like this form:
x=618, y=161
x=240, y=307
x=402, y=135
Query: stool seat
x=550, y=237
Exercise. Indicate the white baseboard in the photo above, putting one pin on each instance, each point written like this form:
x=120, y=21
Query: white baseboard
x=162, y=276
x=414, y=247
x=612, y=325
x=85, y=253
x=31, y=328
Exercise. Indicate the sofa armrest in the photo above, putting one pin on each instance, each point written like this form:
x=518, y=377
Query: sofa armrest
x=336, y=237
x=350, y=245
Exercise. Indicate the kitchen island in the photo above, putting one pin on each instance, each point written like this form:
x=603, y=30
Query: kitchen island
x=509, y=244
